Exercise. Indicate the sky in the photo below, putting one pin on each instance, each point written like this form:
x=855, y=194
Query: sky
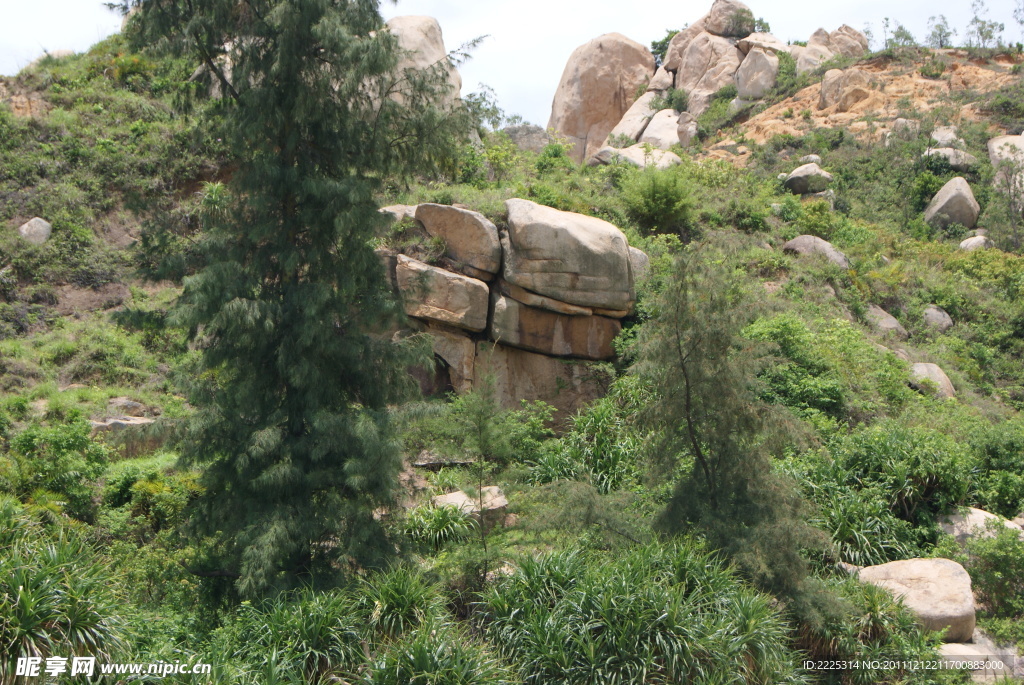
x=528, y=41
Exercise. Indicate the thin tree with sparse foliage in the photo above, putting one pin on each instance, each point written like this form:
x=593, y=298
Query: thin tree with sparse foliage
x=290, y=307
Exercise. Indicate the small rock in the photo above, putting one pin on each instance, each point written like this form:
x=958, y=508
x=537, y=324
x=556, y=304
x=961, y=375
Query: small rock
x=953, y=204
x=978, y=242
x=810, y=159
x=493, y=500
x=933, y=373
x=119, y=424
x=946, y=136
x=809, y=178
x=126, y=406
x=639, y=262
x=885, y=323
x=957, y=159
x=971, y=524
x=936, y=318
x=813, y=245
x=35, y=231
x=937, y=591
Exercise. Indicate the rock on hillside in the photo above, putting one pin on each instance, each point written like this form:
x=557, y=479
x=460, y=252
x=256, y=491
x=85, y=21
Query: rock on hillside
x=598, y=85
x=420, y=37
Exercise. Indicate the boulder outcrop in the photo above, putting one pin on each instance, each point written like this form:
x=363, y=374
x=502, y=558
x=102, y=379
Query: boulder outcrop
x=757, y=74
x=958, y=160
x=569, y=257
x=885, y=323
x=729, y=18
x=539, y=330
x=35, y=231
x=636, y=118
x=808, y=178
x=597, y=87
x=439, y=295
x=844, y=88
x=663, y=131
x=470, y=238
x=937, y=319
x=970, y=524
x=422, y=47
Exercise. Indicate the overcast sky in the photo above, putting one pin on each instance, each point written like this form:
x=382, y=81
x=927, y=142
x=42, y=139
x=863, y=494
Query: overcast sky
x=529, y=40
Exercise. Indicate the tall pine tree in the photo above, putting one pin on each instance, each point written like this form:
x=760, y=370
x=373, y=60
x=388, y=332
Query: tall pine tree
x=290, y=305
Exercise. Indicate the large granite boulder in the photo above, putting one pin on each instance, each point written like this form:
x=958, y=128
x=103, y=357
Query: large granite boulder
x=953, y=204
x=971, y=524
x=757, y=73
x=663, y=131
x=729, y=18
x=35, y=231
x=844, y=88
x=662, y=81
x=848, y=41
x=570, y=257
x=924, y=376
x=937, y=592
x=527, y=137
x=813, y=245
x=765, y=41
x=677, y=46
x=636, y=118
x=469, y=237
x=885, y=323
x=558, y=335
x=637, y=155
x=519, y=375
x=438, y=295
x=810, y=57
x=422, y=47
x=597, y=87
x=808, y=178
x=707, y=64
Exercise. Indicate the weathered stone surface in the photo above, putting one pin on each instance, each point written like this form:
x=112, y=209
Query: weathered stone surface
x=663, y=131
x=953, y=204
x=978, y=242
x=756, y=75
x=813, y=245
x=937, y=591
x=729, y=18
x=636, y=118
x=844, y=88
x=677, y=46
x=958, y=159
x=125, y=406
x=809, y=58
x=459, y=354
x=522, y=375
x=491, y=497
x=810, y=159
x=848, y=41
x=422, y=47
x=662, y=81
x=637, y=156
x=399, y=212
x=597, y=87
x=540, y=302
x=946, y=136
x=585, y=337
x=885, y=323
x=35, y=231
x=765, y=41
x=439, y=295
x=120, y=423
x=937, y=319
x=639, y=262
x=933, y=374
x=469, y=237
x=708, y=64
x=527, y=137
x=570, y=257
x=971, y=524
x=809, y=178
x=686, y=130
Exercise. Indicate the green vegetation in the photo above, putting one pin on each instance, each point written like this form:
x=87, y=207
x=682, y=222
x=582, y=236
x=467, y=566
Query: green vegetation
x=687, y=526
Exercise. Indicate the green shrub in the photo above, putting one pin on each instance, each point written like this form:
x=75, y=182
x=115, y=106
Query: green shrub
x=995, y=565
x=58, y=596
x=661, y=613
x=674, y=98
x=434, y=527
x=659, y=200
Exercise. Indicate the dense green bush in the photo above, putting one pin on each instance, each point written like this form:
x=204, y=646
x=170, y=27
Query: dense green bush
x=660, y=614
x=659, y=200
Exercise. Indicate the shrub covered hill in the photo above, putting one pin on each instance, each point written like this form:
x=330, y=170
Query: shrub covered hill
x=718, y=379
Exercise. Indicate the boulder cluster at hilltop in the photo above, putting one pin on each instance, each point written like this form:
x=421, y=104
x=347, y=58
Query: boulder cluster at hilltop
x=595, y=102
